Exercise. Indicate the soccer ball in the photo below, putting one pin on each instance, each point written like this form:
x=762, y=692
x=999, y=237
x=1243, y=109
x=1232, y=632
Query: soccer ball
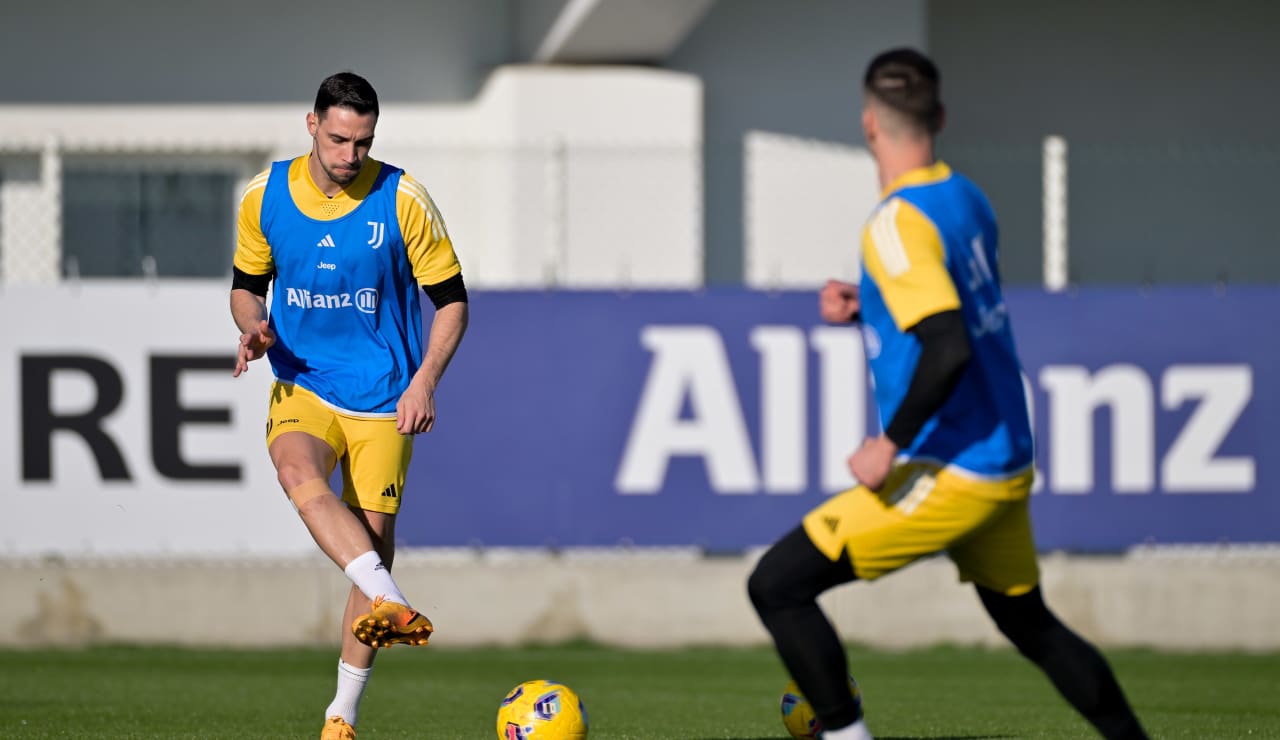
x=797, y=712
x=542, y=710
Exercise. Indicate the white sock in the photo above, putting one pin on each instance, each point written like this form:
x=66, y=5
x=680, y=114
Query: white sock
x=346, y=702
x=373, y=579
x=856, y=731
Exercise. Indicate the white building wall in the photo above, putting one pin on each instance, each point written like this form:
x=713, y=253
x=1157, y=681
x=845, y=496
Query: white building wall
x=805, y=203
x=551, y=177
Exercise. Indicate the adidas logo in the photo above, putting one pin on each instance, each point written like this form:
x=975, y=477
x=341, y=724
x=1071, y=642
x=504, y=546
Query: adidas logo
x=389, y=491
x=327, y=241
x=832, y=523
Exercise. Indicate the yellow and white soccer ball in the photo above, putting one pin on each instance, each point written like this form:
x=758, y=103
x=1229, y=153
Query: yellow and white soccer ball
x=797, y=712
x=542, y=710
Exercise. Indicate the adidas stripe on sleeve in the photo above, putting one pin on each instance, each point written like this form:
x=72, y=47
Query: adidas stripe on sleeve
x=903, y=253
x=425, y=237
x=253, y=254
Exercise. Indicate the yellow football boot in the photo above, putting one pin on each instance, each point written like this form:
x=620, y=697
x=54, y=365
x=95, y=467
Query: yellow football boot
x=336, y=728
x=390, y=624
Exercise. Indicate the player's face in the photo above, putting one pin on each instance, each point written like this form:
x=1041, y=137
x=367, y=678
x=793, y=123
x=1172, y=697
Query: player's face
x=342, y=141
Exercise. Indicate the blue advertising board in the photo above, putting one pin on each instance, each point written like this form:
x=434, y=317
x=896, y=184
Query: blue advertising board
x=718, y=418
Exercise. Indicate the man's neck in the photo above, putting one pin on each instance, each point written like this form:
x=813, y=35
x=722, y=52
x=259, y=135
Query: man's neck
x=894, y=162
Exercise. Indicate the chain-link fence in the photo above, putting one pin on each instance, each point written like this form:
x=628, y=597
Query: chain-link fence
x=30, y=212
x=530, y=214
x=619, y=214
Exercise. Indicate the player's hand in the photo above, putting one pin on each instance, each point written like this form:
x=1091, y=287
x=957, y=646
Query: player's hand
x=253, y=345
x=838, y=301
x=416, y=409
x=871, y=462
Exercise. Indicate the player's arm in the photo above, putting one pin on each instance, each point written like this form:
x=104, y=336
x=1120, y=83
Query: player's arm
x=436, y=268
x=251, y=273
x=944, y=355
x=904, y=254
x=447, y=327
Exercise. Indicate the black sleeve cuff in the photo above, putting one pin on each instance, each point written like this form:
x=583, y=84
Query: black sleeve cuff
x=452, y=290
x=256, y=284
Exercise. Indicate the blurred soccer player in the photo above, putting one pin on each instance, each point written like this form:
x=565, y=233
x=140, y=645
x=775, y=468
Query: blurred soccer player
x=344, y=241
x=953, y=469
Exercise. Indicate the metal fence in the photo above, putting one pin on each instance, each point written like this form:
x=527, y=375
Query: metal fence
x=531, y=214
x=629, y=214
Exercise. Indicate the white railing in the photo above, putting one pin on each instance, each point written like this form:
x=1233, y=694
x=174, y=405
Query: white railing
x=1054, y=167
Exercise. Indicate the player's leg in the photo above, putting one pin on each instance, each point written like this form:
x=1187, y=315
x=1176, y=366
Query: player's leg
x=1075, y=667
x=303, y=465
x=1000, y=560
x=784, y=589
x=356, y=662
x=381, y=528
x=374, y=473
x=918, y=512
x=856, y=534
x=305, y=438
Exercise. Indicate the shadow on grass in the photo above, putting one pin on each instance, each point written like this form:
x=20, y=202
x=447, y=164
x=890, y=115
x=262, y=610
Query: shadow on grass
x=947, y=737
x=878, y=737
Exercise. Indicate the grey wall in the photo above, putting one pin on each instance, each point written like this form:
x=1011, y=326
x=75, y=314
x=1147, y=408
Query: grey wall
x=1213, y=599
x=788, y=67
x=531, y=20
x=1169, y=108
x=152, y=51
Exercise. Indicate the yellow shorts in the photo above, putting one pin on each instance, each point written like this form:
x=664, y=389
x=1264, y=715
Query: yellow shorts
x=373, y=455
x=984, y=526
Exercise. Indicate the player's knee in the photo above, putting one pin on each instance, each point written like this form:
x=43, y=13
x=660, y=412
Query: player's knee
x=293, y=475
x=1025, y=619
x=793, y=573
x=305, y=493
x=761, y=587
x=773, y=585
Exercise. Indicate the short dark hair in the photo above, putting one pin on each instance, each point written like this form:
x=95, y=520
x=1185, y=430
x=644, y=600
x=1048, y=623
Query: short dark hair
x=907, y=82
x=346, y=90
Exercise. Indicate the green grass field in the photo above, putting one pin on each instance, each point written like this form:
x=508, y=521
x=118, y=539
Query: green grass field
x=121, y=692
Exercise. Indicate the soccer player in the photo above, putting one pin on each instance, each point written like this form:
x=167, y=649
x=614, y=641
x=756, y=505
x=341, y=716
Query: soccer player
x=344, y=241
x=952, y=471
